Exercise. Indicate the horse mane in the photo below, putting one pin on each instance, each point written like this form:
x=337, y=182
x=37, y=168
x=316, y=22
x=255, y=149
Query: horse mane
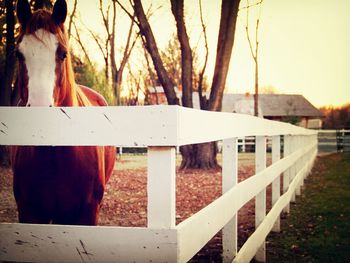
x=67, y=93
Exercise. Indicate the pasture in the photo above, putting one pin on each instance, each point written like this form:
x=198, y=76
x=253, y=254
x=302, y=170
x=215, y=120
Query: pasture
x=125, y=199
x=316, y=229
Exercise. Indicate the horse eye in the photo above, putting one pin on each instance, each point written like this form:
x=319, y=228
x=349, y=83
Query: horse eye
x=63, y=55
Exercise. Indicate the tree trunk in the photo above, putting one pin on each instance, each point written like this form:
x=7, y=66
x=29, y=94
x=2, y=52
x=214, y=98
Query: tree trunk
x=229, y=11
x=199, y=156
x=204, y=155
x=177, y=7
x=152, y=48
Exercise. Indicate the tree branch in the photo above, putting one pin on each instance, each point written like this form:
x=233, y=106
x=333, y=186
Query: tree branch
x=203, y=99
x=71, y=17
x=249, y=6
x=132, y=17
x=177, y=8
x=128, y=49
x=152, y=49
x=247, y=33
x=105, y=18
x=78, y=39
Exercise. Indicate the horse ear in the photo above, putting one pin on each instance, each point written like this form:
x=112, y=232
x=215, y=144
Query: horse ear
x=24, y=13
x=59, y=12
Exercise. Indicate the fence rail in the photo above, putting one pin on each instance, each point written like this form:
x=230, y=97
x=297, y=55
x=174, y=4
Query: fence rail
x=161, y=129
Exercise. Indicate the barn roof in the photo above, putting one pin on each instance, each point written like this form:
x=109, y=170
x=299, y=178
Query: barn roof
x=270, y=105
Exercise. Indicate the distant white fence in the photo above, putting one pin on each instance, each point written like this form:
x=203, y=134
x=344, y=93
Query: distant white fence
x=161, y=129
x=334, y=141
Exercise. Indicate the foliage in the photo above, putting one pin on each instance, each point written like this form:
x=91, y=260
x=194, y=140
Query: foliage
x=292, y=119
x=87, y=75
x=318, y=228
x=336, y=117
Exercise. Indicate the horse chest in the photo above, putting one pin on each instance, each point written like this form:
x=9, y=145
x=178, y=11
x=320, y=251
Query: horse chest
x=58, y=173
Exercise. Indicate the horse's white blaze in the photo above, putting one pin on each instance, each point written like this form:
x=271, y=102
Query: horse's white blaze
x=39, y=51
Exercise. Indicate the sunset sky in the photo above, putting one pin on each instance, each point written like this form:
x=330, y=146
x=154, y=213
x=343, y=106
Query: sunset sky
x=304, y=44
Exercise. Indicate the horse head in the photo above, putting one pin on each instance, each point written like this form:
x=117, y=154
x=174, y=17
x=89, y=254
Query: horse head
x=45, y=76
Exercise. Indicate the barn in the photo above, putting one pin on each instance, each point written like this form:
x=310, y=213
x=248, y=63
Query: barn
x=280, y=107
x=293, y=108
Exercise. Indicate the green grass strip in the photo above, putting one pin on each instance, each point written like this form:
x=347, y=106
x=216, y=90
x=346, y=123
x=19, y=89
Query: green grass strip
x=318, y=227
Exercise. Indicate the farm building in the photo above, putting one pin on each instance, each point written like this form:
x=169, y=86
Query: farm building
x=279, y=107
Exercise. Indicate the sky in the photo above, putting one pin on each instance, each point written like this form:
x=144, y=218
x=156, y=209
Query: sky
x=304, y=45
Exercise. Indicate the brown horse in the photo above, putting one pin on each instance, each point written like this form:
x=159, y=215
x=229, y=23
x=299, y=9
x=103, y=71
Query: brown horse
x=60, y=185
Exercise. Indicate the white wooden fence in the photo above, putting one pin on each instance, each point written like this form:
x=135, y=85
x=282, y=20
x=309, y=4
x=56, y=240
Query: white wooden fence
x=161, y=129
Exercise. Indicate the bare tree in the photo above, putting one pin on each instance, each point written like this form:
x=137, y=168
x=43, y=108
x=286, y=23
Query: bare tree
x=202, y=155
x=254, y=51
x=202, y=98
x=80, y=43
x=152, y=48
x=107, y=47
x=206, y=153
x=71, y=17
x=177, y=7
x=117, y=72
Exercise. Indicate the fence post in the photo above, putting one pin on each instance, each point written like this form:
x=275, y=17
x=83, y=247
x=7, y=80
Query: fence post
x=260, y=199
x=299, y=164
x=276, y=184
x=293, y=168
x=161, y=187
x=229, y=179
x=286, y=174
x=304, y=143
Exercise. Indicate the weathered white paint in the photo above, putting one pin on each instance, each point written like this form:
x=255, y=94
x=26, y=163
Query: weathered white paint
x=161, y=129
x=293, y=169
x=299, y=164
x=286, y=175
x=54, y=243
x=39, y=51
x=260, y=199
x=196, y=127
x=130, y=126
x=248, y=250
x=229, y=180
x=276, y=184
x=161, y=187
x=213, y=217
x=119, y=126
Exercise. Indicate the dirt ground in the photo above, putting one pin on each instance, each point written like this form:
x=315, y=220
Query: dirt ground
x=125, y=199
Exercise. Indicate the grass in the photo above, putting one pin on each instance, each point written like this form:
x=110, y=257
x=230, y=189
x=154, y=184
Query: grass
x=318, y=227
x=134, y=161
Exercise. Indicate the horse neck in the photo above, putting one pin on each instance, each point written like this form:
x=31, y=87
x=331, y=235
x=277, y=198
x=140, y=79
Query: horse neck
x=72, y=94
